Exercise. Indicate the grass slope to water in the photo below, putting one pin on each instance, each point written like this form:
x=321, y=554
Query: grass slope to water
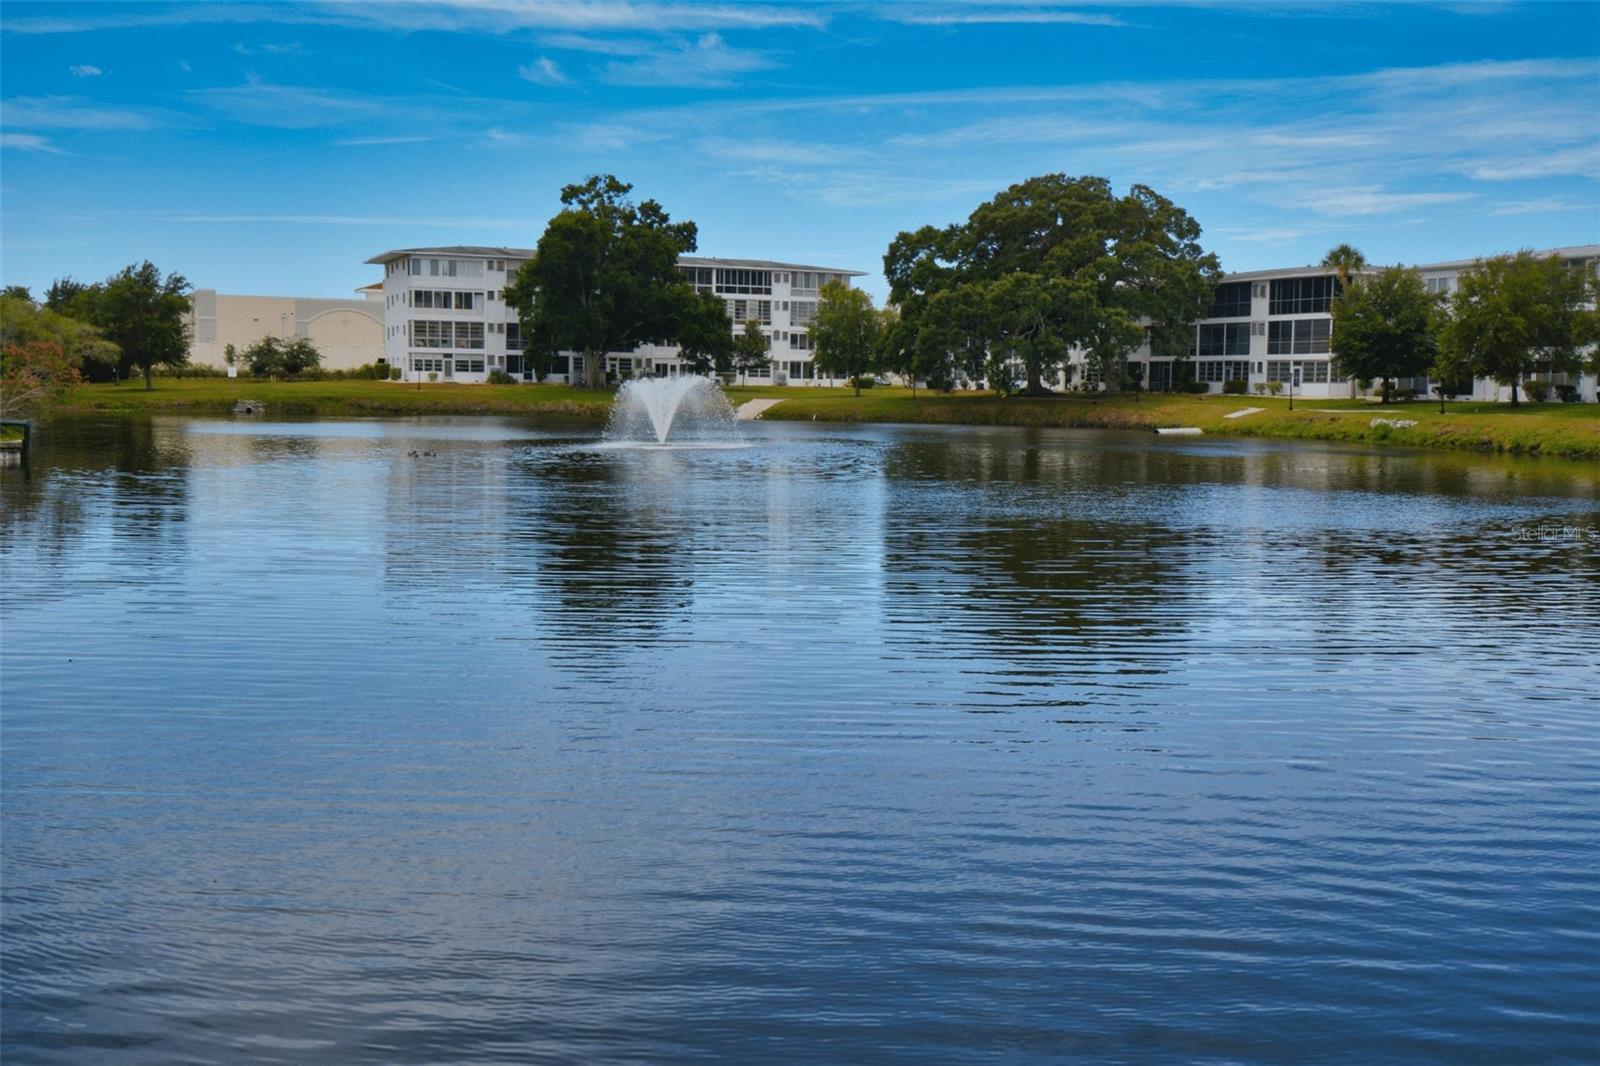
x=1568, y=430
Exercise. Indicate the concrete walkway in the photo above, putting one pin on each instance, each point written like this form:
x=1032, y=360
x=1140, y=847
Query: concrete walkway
x=751, y=410
x=1243, y=411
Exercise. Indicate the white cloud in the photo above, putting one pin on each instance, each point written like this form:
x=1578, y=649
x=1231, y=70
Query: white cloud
x=260, y=103
x=29, y=142
x=1375, y=201
x=543, y=71
x=355, y=142
x=74, y=112
x=85, y=70
x=707, y=62
x=1540, y=206
x=497, y=138
x=954, y=15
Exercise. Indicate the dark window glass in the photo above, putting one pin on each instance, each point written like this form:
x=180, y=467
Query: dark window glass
x=1231, y=301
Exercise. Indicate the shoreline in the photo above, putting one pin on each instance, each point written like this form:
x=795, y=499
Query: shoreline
x=1568, y=431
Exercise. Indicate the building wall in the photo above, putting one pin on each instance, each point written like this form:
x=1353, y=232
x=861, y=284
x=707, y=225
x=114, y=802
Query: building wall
x=426, y=338
x=348, y=333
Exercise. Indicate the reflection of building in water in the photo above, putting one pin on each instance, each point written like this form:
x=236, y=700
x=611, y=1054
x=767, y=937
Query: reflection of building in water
x=348, y=333
x=445, y=315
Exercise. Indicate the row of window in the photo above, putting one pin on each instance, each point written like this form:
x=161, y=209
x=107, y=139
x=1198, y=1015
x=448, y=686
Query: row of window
x=451, y=300
x=1312, y=372
x=1223, y=338
x=1301, y=296
x=1231, y=300
x=429, y=334
x=445, y=268
x=1307, y=336
x=1222, y=370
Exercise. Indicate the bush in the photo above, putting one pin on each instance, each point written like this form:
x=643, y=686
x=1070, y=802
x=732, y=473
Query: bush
x=191, y=370
x=500, y=377
x=1197, y=387
x=1538, y=391
x=862, y=382
x=1235, y=387
x=433, y=375
x=1275, y=387
x=395, y=373
x=1568, y=393
x=1261, y=388
x=1403, y=395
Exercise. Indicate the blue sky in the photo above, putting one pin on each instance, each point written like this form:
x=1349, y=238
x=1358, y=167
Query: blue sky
x=271, y=148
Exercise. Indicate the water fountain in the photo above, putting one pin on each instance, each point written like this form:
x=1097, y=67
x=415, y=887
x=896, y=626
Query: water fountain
x=686, y=409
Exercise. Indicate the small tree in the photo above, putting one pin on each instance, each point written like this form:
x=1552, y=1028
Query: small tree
x=34, y=374
x=845, y=332
x=230, y=354
x=705, y=333
x=750, y=349
x=1385, y=327
x=264, y=357
x=145, y=315
x=1344, y=260
x=1513, y=313
x=23, y=322
x=298, y=356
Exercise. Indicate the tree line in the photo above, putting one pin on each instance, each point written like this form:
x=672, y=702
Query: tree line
x=1510, y=317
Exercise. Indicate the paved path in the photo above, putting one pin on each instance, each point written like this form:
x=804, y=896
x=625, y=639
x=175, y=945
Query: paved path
x=1243, y=411
x=752, y=409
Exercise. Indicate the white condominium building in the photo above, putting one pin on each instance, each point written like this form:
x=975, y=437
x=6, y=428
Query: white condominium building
x=446, y=317
x=1275, y=327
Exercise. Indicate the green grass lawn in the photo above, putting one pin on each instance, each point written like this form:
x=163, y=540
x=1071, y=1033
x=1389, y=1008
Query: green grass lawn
x=1569, y=430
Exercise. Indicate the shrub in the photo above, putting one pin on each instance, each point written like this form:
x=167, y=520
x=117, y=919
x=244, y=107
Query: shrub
x=1197, y=387
x=1275, y=387
x=191, y=370
x=1235, y=387
x=1261, y=388
x=395, y=373
x=1403, y=395
x=1568, y=393
x=433, y=375
x=1538, y=391
x=862, y=382
x=500, y=377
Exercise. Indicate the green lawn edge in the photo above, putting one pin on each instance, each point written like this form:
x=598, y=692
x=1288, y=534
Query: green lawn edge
x=1570, y=431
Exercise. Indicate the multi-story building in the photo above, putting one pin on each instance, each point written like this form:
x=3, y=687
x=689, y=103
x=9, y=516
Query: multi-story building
x=446, y=318
x=1275, y=327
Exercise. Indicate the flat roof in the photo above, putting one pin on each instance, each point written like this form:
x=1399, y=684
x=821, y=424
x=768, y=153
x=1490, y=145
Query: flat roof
x=1574, y=251
x=488, y=252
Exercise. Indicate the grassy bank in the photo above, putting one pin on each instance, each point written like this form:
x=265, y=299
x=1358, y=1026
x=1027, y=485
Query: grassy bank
x=1567, y=430
x=216, y=396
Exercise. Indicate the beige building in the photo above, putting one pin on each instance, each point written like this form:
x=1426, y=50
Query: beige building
x=348, y=333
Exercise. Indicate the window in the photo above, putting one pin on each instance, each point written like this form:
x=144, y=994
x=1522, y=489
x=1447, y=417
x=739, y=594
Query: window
x=514, y=337
x=800, y=342
x=1306, y=336
x=748, y=282
x=1231, y=301
x=801, y=312
x=1301, y=296
x=424, y=365
x=415, y=266
x=1438, y=285
x=1230, y=338
x=764, y=312
x=1217, y=370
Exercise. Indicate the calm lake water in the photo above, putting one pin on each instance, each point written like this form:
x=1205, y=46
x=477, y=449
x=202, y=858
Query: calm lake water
x=853, y=744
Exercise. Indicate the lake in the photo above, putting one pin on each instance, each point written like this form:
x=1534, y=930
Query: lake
x=851, y=744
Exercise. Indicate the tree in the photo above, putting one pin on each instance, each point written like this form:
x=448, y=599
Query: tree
x=300, y=355
x=844, y=332
x=1345, y=260
x=1053, y=263
x=604, y=274
x=705, y=334
x=1385, y=327
x=1514, y=315
x=23, y=322
x=750, y=349
x=20, y=292
x=144, y=314
x=897, y=348
x=32, y=374
x=264, y=357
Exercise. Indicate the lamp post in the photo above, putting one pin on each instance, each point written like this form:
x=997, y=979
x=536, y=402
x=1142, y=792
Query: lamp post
x=1291, y=386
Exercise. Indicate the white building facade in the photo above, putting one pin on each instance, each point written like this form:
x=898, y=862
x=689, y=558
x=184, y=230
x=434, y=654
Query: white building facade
x=348, y=333
x=445, y=316
x=1275, y=327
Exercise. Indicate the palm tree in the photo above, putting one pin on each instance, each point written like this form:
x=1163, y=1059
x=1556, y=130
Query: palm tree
x=1345, y=260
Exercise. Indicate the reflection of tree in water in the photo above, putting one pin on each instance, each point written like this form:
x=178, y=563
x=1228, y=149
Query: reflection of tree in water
x=610, y=550
x=988, y=565
x=98, y=497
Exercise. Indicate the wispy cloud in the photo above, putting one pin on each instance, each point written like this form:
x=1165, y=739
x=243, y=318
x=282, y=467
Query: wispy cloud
x=356, y=142
x=406, y=16
x=261, y=103
x=968, y=15
x=498, y=138
x=410, y=221
x=74, y=112
x=271, y=48
x=1543, y=204
x=707, y=62
x=29, y=142
x=85, y=70
x=1376, y=201
x=543, y=71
